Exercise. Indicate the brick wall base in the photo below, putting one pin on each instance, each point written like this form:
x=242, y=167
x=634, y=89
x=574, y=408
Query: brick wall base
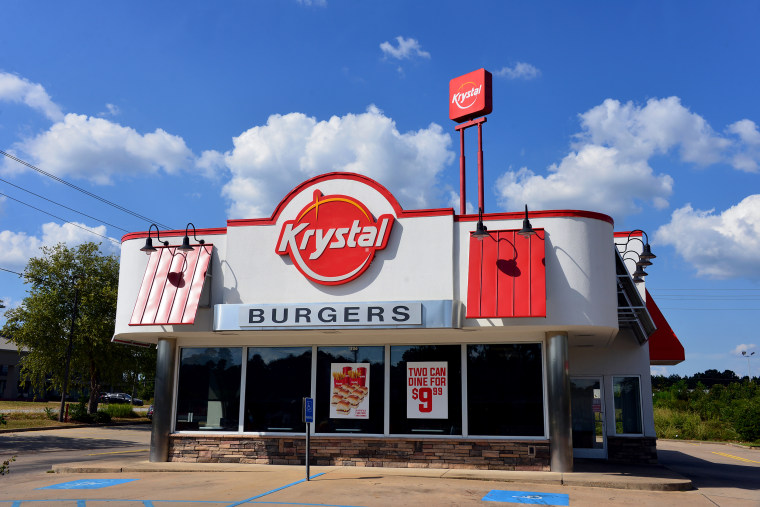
x=632, y=449
x=364, y=452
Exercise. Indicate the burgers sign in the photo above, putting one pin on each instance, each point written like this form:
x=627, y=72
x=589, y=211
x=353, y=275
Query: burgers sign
x=334, y=238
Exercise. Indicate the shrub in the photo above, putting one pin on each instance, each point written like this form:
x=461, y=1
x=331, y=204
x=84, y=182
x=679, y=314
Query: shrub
x=121, y=410
x=746, y=420
x=79, y=413
x=102, y=417
x=51, y=414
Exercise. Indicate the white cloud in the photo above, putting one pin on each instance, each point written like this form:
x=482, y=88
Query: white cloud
x=18, y=89
x=521, y=70
x=594, y=178
x=113, y=110
x=742, y=348
x=747, y=156
x=98, y=149
x=316, y=3
x=608, y=168
x=658, y=370
x=269, y=160
x=19, y=247
x=405, y=49
x=722, y=245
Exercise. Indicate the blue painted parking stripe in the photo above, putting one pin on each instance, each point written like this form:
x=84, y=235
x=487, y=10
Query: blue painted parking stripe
x=88, y=484
x=273, y=491
x=526, y=497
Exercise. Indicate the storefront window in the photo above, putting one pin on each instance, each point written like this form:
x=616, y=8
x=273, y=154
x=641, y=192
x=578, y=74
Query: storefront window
x=277, y=380
x=350, y=389
x=627, y=405
x=505, y=395
x=426, y=390
x=208, y=398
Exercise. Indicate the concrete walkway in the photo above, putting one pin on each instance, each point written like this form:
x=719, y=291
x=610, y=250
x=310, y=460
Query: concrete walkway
x=586, y=474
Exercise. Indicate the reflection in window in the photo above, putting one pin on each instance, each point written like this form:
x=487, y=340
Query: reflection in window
x=627, y=405
x=208, y=396
x=350, y=389
x=505, y=394
x=277, y=380
x=418, y=412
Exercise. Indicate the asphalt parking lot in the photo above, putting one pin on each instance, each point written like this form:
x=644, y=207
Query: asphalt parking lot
x=109, y=467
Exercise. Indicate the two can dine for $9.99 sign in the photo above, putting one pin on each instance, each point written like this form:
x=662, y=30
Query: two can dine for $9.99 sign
x=334, y=238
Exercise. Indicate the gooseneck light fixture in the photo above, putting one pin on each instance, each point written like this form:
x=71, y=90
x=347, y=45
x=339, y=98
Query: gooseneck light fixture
x=643, y=259
x=527, y=230
x=149, y=248
x=481, y=231
x=186, y=240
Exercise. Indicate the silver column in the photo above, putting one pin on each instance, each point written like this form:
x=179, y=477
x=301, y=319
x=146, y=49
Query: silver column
x=162, y=401
x=558, y=387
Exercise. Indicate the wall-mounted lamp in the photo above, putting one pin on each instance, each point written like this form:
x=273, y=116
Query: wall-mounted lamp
x=527, y=230
x=149, y=248
x=643, y=259
x=481, y=231
x=186, y=240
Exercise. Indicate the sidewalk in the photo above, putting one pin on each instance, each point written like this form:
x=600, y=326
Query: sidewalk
x=587, y=473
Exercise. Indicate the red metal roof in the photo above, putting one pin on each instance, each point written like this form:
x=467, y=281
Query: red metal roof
x=507, y=276
x=171, y=287
x=664, y=345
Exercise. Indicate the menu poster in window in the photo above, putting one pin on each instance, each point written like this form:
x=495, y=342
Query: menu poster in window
x=427, y=390
x=349, y=391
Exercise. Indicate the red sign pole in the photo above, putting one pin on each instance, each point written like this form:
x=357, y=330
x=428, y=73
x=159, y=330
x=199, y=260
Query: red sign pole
x=462, y=186
x=461, y=127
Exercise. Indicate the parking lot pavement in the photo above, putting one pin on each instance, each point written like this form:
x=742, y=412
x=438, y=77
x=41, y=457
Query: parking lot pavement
x=286, y=486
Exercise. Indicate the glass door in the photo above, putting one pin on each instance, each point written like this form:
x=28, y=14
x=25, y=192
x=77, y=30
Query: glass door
x=587, y=405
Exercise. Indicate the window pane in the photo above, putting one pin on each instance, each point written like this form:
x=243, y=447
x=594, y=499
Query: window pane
x=435, y=372
x=277, y=380
x=505, y=395
x=627, y=405
x=208, y=397
x=350, y=389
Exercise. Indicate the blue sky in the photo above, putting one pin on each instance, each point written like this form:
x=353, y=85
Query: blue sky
x=201, y=111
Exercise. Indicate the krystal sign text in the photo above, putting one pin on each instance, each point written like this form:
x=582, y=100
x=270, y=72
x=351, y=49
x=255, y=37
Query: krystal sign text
x=333, y=239
x=470, y=96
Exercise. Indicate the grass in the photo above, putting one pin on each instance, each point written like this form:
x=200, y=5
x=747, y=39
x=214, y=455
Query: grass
x=35, y=416
x=686, y=425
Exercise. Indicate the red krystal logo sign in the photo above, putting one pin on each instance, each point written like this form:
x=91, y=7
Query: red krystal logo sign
x=333, y=239
x=470, y=96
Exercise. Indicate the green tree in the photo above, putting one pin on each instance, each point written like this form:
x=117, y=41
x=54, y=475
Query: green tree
x=67, y=322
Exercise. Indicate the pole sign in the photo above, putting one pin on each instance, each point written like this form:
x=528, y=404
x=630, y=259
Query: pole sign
x=470, y=96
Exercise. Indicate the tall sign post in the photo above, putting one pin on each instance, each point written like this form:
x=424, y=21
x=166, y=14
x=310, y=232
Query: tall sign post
x=470, y=97
x=308, y=418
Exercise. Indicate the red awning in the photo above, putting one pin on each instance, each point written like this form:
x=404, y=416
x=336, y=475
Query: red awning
x=171, y=287
x=664, y=346
x=507, y=276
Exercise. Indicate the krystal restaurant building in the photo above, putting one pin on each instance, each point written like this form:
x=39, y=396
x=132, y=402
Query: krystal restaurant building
x=422, y=344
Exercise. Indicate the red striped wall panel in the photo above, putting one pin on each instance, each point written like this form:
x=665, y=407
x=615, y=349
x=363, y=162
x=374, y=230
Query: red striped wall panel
x=171, y=287
x=507, y=276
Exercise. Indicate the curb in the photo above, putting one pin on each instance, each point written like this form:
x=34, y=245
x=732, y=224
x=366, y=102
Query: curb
x=73, y=426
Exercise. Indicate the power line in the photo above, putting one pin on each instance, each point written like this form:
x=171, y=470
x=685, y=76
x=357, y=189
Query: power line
x=9, y=271
x=63, y=206
x=86, y=192
x=63, y=219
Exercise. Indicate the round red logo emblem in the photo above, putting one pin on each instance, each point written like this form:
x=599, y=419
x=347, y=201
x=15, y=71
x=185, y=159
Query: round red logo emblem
x=333, y=239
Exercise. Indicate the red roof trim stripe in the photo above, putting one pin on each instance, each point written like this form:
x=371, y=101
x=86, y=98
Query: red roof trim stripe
x=215, y=231
x=519, y=215
x=664, y=345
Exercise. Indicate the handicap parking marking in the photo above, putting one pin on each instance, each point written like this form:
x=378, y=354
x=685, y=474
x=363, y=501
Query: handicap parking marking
x=498, y=495
x=88, y=484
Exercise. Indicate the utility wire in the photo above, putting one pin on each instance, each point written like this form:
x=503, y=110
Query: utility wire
x=86, y=192
x=63, y=219
x=9, y=271
x=63, y=206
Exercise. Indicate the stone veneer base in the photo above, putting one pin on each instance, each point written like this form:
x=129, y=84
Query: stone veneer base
x=632, y=449
x=363, y=452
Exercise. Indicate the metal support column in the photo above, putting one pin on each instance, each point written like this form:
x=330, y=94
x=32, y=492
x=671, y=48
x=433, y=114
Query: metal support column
x=560, y=416
x=162, y=404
